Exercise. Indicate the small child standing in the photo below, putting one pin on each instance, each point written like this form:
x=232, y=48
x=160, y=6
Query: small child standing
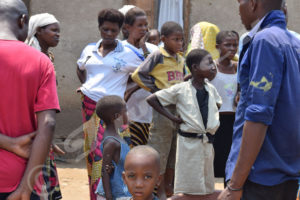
x=112, y=110
x=226, y=85
x=154, y=37
x=141, y=173
x=197, y=103
x=160, y=70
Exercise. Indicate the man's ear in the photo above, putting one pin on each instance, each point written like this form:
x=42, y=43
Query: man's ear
x=253, y=5
x=22, y=21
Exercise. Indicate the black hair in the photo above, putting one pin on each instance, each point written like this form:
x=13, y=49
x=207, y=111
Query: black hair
x=107, y=107
x=224, y=34
x=132, y=14
x=169, y=28
x=195, y=57
x=155, y=30
x=111, y=15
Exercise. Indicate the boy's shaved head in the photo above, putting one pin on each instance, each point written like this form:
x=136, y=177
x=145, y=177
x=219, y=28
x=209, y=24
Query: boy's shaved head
x=13, y=20
x=144, y=152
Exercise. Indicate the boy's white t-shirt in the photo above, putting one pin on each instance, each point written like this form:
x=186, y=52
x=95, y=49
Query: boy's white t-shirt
x=106, y=75
x=137, y=106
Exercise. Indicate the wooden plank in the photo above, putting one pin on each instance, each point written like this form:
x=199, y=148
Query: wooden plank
x=148, y=6
x=186, y=16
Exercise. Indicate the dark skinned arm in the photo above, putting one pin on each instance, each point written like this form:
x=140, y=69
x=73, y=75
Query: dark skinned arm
x=110, y=148
x=253, y=137
x=20, y=146
x=153, y=102
x=40, y=149
x=81, y=74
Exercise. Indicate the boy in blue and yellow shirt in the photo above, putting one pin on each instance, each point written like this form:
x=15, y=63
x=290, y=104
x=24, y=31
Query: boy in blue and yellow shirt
x=161, y=70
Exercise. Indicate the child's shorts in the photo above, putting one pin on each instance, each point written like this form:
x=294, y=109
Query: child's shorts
x=163, y=134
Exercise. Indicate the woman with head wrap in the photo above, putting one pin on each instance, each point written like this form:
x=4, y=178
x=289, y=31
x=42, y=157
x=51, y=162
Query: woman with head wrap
x=203, y=36
x=43, y=32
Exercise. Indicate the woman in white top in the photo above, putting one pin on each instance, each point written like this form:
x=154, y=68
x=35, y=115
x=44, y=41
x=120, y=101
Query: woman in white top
x=139, y=112
x=225, y=82
x=103, y=69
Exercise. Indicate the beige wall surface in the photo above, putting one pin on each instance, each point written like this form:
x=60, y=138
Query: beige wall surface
x=225, y=14
x=79, y=27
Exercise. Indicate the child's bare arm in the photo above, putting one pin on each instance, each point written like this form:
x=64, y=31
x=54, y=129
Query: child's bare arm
x=20, y=146
x=110, y=148
x=153, y=101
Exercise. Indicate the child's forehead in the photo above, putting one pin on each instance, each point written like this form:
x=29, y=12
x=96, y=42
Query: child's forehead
x=175, y=34
x=140, y=162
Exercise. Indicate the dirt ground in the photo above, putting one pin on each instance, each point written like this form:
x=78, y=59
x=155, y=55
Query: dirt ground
x=74, y=183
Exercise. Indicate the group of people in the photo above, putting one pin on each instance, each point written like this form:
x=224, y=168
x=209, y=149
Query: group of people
x=158, y=122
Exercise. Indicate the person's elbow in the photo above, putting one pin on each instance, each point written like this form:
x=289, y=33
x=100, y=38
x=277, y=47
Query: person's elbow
x=150, y=99
x=50, y=123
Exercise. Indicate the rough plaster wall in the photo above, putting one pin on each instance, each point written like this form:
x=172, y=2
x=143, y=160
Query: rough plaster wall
x=78, y=28
x=225, y=14
x=293, y=15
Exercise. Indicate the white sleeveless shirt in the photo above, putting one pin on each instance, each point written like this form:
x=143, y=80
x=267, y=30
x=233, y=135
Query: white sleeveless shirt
x=226, y=85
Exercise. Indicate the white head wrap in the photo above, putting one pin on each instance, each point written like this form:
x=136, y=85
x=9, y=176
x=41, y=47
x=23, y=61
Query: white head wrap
x=126, y=8
x=35, y=22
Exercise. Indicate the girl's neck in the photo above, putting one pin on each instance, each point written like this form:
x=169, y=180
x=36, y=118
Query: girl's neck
x=226, y=66
x=111, y=130
x=134, y=42
x=225, y=62
x=198, y=83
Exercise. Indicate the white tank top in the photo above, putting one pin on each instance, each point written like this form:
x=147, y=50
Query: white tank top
x=226, y=85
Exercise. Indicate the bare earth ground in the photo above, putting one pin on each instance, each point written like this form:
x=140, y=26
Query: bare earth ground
x=74, y=183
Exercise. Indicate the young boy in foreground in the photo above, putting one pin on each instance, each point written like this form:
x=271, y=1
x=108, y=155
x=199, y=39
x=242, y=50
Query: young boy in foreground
x=160, y=70
x=141, y=173
x=197, y=103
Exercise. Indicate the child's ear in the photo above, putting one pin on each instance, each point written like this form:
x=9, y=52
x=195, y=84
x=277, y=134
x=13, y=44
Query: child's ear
x=123, y=176
x=163, y=38
x=159, y=179
x=194, y=67
x=117, y=115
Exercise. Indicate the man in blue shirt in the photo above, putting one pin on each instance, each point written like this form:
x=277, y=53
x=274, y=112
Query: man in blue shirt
x=264, y=161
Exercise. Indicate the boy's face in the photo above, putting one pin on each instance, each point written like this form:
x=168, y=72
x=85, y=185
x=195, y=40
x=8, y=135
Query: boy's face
x=174, y=42
x=228, y=48
x=246, y=12
x=141, y=175
x=206, y=68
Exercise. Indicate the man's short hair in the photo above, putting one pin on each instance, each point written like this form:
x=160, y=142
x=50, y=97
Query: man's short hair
x=169, y=28
x=12, y=8
x=195, y=57
x=110, y=15
x=132, y=14
x=107, y=107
